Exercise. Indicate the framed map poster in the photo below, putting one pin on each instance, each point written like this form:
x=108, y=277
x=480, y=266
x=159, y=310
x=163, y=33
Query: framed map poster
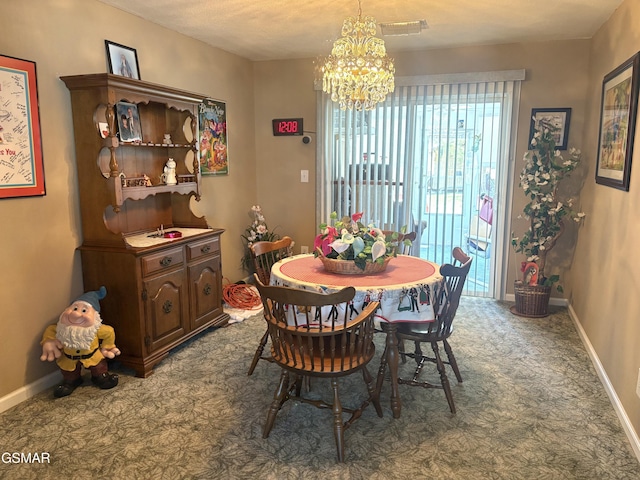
x=21, y=167
x=212, y=138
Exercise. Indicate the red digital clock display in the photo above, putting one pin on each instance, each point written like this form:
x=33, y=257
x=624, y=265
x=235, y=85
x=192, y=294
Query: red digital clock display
x=287, y=126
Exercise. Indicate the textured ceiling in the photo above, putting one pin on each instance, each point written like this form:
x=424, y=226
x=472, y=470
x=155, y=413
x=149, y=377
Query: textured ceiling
x=283, y=29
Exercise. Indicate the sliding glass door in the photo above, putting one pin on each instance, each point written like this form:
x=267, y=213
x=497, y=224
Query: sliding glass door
x=432, y=158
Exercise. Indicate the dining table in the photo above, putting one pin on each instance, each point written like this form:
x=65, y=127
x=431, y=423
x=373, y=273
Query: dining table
x=406, y=290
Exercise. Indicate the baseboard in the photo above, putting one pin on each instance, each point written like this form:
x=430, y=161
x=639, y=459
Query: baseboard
x=632, y=435
x=555, y=301
x=28, y=391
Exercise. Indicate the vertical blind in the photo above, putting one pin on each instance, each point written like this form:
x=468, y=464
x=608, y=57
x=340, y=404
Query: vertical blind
x=424, y=160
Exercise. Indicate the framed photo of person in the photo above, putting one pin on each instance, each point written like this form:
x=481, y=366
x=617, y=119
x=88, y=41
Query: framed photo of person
x=212, y=137
x=122, y=60
x=129, y=127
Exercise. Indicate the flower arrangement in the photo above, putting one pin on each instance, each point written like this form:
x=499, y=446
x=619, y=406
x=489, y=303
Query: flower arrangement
x=256, y=232
x=544, y=169
x=350, y=239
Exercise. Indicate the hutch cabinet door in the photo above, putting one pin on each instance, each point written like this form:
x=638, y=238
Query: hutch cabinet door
x=205, y=285
x=166, y=309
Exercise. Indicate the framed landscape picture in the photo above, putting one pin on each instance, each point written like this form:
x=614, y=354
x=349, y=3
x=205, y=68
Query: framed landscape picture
x=558, y=118
x=212, y=138
x=21, y=163
x=618, y=110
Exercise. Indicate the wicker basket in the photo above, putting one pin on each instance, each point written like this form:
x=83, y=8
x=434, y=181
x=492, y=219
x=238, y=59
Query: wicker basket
x=531, y=300
x=349, y=267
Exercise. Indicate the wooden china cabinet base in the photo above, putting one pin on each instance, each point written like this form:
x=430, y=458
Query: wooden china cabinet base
x=157, y=297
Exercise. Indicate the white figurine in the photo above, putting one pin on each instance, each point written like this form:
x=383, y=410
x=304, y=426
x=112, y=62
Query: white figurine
x=169, y=175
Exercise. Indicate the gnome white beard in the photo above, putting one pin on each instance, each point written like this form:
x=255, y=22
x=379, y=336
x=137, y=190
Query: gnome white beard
x=79, y=338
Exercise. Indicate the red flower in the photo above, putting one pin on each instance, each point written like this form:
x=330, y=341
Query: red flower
x=356, y=216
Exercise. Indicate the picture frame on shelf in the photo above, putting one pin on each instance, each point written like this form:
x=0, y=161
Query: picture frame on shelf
x=122, y=60
x=212, y=138
x=619, y=106
x=21, y=160
x=560, y=118
x=129, y=127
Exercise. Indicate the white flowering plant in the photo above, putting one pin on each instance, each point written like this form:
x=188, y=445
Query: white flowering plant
x=546, y=211
x=258, y=231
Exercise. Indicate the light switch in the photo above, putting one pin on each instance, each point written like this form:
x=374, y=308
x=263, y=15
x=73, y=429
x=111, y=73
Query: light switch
x=304, y=176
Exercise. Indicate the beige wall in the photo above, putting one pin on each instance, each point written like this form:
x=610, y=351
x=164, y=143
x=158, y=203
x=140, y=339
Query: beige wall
x=605, y=279
x=40, y=271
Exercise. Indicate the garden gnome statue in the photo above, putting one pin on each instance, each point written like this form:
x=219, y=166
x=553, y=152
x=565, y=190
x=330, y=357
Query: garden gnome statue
x=79, y=339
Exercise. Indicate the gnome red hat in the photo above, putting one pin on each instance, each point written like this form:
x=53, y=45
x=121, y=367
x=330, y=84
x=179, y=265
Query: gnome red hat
x=93, y=298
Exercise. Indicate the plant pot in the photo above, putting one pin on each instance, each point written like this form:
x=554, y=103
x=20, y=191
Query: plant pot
x=349, y=267
x=531, y=300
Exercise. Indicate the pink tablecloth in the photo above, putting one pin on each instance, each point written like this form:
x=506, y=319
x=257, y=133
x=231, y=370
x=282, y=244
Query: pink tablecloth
x=405, y=290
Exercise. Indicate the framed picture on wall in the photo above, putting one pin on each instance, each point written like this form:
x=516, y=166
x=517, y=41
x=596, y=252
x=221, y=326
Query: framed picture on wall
x=618, y=110
x=122, y=60
x=212, y=138
x=21, y=163
x=556, y=118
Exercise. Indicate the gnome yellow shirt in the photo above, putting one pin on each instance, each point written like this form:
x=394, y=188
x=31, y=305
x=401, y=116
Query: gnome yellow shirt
x=105, y=338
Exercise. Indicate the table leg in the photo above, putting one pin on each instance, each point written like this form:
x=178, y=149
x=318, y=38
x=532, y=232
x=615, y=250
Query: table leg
x=392, y=361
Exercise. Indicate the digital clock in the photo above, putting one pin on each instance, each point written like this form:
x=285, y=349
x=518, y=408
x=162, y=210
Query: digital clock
x=287, y=126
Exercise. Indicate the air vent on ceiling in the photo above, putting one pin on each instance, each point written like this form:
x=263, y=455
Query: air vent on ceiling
x=403, y=28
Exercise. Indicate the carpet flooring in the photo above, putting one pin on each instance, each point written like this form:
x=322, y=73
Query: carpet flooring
x=531, y=407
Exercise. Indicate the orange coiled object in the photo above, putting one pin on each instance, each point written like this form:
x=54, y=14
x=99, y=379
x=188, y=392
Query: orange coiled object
x=241, y=295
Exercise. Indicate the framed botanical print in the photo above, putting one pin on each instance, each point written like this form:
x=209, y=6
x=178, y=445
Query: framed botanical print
x=21, y=162
x=212, y=138
x=618, y=111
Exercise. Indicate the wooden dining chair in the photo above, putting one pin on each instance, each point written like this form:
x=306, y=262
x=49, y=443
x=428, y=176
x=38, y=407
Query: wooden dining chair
x=264, y=255
x=314, y=335
x=439, y=331
x=404, y=247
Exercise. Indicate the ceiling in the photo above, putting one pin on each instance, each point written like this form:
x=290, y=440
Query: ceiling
x=286, y=29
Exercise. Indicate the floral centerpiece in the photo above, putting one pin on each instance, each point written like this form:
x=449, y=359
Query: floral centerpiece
x=350, y=240
x=546, y=210
x=256, y=232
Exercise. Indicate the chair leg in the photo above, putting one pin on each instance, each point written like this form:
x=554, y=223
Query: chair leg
x=401, y=350
x=418, y=353
x=338, y=426
x=259, y=351
x=381, y=370
x=279, y=398
x=443, y=377
x=452, y=360
x=373, y=391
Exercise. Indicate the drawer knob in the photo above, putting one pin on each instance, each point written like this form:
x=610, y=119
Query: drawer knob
x=207, y=289
x=166, y=261
x=205, y=249
x=167, y=306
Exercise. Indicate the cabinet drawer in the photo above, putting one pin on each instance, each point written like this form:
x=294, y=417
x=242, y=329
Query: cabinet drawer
x=203, y=247
x=162, y=261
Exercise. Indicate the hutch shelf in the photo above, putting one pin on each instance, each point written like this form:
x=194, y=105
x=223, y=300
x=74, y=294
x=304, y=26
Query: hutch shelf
x=160, y=263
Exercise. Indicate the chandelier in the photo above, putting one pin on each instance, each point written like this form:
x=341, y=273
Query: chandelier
x=358, y=74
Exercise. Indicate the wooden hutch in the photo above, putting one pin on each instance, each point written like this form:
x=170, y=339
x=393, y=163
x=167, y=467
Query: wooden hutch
x=160, y=291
